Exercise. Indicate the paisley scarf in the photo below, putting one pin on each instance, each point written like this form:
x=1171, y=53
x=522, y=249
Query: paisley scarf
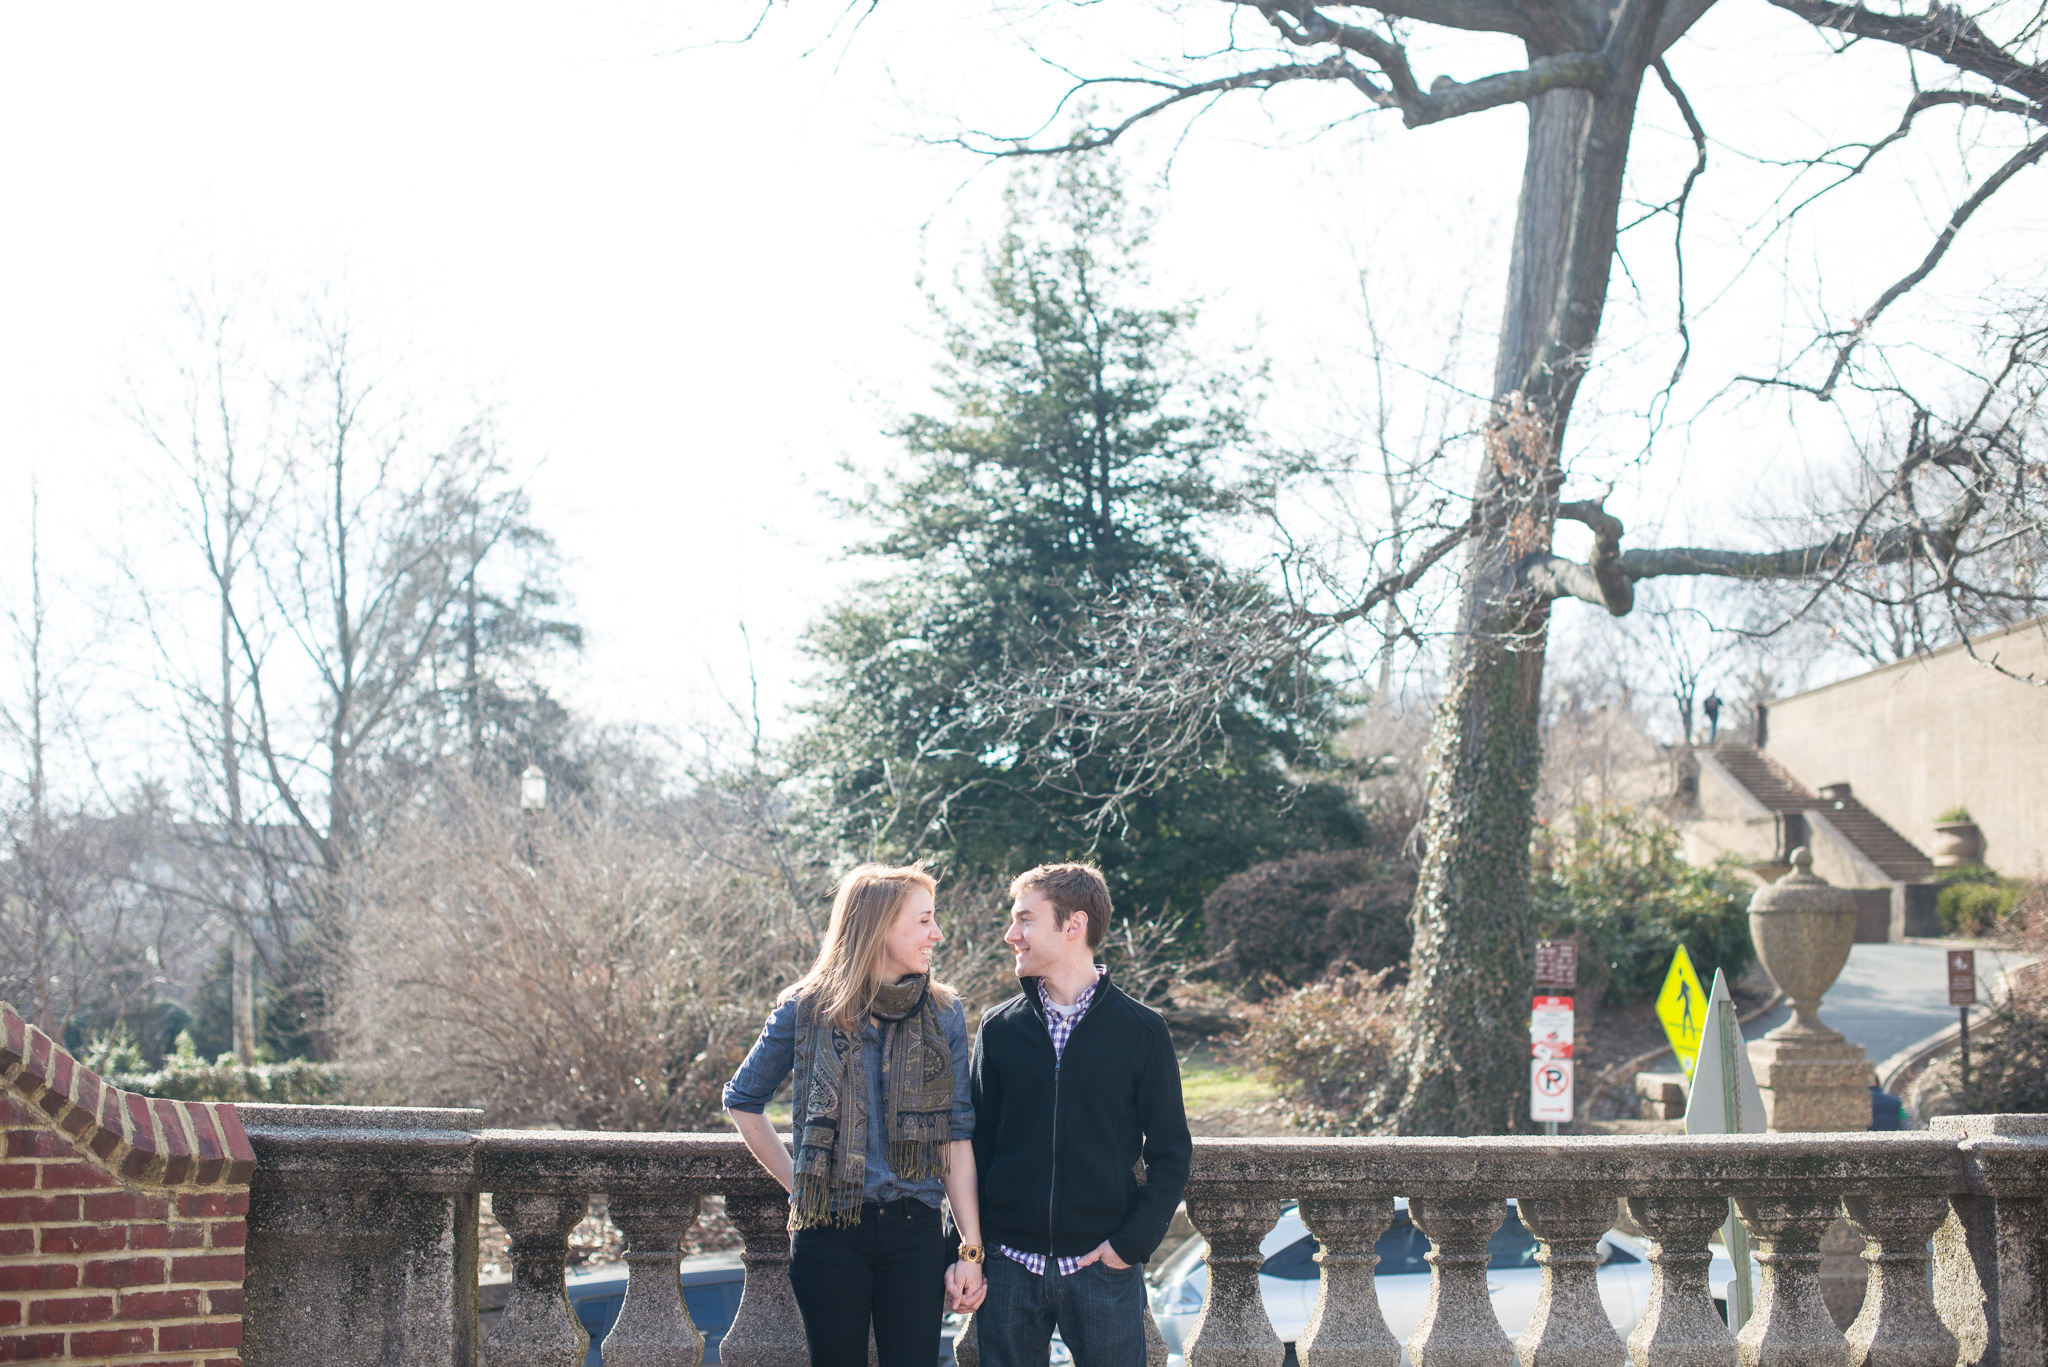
x=831, y=1085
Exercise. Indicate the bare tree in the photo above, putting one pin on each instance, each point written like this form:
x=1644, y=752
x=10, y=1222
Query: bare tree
x=1957, y=496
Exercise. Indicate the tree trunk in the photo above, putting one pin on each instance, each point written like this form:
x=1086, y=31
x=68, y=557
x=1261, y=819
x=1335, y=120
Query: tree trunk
x=1464, y=1067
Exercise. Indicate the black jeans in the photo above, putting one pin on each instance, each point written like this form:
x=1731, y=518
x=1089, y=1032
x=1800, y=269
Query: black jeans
x=888, y=1270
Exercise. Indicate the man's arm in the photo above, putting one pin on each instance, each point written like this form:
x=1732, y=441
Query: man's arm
x=1168, y=1152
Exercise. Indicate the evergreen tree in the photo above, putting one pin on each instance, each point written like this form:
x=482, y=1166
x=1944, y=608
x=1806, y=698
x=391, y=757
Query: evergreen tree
x=1084, y=459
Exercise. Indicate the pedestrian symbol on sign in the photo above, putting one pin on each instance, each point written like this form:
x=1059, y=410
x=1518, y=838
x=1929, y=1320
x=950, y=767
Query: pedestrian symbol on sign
x=1682, y=1007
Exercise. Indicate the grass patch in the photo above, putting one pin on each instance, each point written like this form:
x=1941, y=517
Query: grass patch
x=1206, y=1085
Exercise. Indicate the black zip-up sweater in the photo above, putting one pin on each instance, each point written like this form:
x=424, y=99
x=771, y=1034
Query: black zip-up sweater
x=1056, y=1141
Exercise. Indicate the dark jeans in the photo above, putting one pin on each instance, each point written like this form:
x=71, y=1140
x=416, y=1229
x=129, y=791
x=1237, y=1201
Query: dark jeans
x=1099, y=1311
x=888, y=1270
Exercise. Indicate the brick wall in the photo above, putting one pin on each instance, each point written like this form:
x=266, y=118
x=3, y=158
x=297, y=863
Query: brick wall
x=121, y=1217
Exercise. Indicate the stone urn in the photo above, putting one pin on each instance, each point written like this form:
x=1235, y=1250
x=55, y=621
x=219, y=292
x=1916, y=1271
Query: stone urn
x=1802, y=926
x=1957, y=842
x=1811, y=1077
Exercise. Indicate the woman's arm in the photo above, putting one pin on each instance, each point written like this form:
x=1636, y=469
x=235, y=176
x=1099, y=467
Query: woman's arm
x=759, y=1133
x=965, y=1288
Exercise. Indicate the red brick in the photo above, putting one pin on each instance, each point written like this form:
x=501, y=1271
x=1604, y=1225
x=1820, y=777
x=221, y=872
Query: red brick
x=210, y=1149
x=229, y=1234
x=212, y=1362
x=238, y=1203
x=15, y=1242
x=12, y=1111
x=38, y=1277
x=72, y=1310
x=127, y=1205
x=217, y=1267
x=109, y=1342
x=177, y=1144
x=119, y=1272
x=74, y=1176
x=13, y=1038
x=31, y=1347
x=201, y=1205
x=220, y=1334
x=149, y=1236
x=141, y=1132
x=40, y=1142
x=19, y=1176
x=37, y=1210
x=84, y=1238
x=109, y=1136
x=242, y=1155
x=36, y=1062
x=10, y=1314
x=185, y=1234
x=226, y=1300
x=86, y=1097
x=62, y=1075
x=179, y=1303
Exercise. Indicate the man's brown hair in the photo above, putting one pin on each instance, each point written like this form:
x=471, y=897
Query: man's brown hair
x=1073, y=889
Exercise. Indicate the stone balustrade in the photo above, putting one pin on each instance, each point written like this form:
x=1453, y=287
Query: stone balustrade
x=362, y=1233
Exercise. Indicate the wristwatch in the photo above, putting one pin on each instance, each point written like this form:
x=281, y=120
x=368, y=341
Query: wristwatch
x=970, y=1253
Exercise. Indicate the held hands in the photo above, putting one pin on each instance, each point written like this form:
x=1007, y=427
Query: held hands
x=1108, y=1256
x=965, y=1287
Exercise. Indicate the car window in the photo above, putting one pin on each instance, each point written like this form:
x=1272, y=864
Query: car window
x=1512, y=1245
x=1615, y=1254
x=1402, y=1246
x=712, y=1308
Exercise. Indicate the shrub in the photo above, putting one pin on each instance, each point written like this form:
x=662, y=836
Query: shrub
x=1292, y=918
x=1973, y=899
x=186, y=1076
x=1327, y=1046
x=1616, y=879
x=1955, y=813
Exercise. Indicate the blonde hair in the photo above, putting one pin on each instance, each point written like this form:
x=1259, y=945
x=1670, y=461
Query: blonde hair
x=844, y=980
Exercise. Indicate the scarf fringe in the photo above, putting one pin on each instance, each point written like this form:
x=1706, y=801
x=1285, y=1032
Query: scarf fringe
x=814, y=1206
x=917, y=1160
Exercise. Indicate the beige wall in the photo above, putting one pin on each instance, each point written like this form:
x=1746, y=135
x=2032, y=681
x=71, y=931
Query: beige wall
x=1923, y=735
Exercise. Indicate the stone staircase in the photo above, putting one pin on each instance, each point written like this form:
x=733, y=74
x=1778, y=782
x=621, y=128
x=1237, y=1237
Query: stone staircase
x=1901, y=860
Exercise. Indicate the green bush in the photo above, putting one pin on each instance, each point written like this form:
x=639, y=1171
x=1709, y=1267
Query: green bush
x=1616, y=880
x=1974, y=900
x=186, y=1076
x=1956, y=813
x=1291, y=919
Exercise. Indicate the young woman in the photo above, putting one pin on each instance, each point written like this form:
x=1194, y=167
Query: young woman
x=883, y=1127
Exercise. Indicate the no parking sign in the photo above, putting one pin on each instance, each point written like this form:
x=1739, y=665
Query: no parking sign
x=1550, y=1089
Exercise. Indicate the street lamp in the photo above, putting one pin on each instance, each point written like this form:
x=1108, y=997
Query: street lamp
x=533, y=789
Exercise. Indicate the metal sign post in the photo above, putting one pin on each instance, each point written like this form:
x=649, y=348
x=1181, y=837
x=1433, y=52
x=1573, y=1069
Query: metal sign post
x=1726, y=1100
x=1962, y=994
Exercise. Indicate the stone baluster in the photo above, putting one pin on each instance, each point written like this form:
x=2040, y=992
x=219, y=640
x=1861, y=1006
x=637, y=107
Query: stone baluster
x=654, y=1328
x=1347, y=1328
x=537, y=1329
x=768, y=1331
x=1570, y=1326
x=1899, y=1326
x=1791, y=1326
x=1680, y=1327
x=1458, y=1328
x=1233, y=1330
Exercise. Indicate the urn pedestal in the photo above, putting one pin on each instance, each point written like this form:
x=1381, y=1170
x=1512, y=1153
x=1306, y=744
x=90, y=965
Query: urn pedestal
x=1810, y=1076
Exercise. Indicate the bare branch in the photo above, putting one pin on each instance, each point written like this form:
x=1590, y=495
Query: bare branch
x=1943, y=32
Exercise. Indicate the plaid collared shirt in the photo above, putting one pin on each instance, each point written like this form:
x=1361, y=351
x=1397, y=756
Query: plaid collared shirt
x=1059, y=1024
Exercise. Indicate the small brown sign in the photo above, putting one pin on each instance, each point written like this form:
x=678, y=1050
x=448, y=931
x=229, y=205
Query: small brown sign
x=1557, y=964
x=1962, y=977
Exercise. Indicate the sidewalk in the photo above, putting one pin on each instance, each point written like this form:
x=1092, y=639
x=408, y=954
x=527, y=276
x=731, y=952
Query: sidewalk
x=1891, y=997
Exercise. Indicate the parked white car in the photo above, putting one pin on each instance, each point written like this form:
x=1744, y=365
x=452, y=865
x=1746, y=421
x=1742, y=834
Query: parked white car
x=1290, y=1278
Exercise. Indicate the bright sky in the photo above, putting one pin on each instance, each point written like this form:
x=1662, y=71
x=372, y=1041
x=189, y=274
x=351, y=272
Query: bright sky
x=687, y=275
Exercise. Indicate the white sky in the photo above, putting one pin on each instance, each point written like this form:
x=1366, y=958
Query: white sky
x=687, y=275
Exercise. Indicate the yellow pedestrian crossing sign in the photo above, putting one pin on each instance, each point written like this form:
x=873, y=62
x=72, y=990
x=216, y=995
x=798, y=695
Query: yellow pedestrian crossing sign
x=1682, y=1007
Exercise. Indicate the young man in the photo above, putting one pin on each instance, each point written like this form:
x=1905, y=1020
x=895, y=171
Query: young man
x=1073, y=1082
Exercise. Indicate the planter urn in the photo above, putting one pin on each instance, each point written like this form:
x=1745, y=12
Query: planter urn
x=1957, y=842
x=1810, y=1076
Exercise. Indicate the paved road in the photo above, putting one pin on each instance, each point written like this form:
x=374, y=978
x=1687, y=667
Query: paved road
x=1893, y=996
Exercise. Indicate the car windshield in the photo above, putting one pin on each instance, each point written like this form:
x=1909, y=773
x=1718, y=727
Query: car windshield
x=1401, y=1249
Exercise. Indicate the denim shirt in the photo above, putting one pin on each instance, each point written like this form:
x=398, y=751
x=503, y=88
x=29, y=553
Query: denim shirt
x=773, y=1056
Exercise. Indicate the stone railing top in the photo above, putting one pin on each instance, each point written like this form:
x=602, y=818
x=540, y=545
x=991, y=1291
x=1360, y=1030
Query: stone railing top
x=271, y=1116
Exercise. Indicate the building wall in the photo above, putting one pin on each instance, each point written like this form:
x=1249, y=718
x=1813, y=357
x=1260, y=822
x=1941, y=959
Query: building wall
x=122, y=1217
x=1923, y=735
